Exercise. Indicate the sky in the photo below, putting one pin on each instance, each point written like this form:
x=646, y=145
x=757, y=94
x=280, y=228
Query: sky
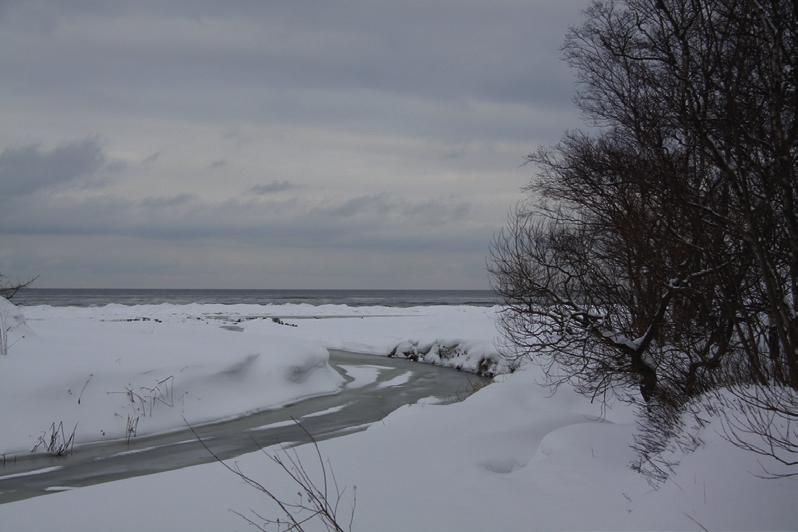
x=271, y=144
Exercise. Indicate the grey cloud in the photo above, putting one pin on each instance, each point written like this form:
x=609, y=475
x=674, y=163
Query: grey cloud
x=382, y=222
x=168, y=201
x=145, y=263
x=259, y=54
x=404, y=120
x=29, y=168
x=383, y=204
x=116, y=166
x=274, y=186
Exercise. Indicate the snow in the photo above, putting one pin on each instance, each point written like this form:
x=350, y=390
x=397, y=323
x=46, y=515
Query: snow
x=361, y=375
x=111, y=379
x=327, y=411
x=31, y=473
x=510, y=457
x=135, y=451
x=276, y=424
x=507, y=458
x=457, y=336
x=396, y=381
x=117, y=371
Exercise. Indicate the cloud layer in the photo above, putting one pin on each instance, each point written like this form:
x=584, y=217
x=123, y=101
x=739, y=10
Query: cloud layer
x=26, y=169
x=272, y=145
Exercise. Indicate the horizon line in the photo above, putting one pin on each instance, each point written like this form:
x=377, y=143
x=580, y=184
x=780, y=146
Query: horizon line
x=271, y=289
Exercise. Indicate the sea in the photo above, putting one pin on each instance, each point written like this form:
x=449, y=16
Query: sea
x=92, y=297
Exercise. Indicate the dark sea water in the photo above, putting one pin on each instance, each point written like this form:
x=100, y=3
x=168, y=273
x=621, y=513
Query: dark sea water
x=89, y=297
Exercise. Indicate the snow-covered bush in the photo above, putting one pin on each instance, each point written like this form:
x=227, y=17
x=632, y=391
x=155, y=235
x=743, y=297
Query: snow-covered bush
x=744, y=415
x=473, y=357
x=12, y=325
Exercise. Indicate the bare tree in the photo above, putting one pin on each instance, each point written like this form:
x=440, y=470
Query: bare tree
x=663, y=249
x=598, y=274
x=9, y=289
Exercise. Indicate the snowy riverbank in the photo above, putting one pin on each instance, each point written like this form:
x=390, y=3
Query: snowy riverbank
x=510, y=457
x=121, y=371
x=113, y=378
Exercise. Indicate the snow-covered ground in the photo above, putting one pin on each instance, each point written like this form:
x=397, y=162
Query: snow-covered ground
x=119, y=371
x=465, y=334
x=510, y=457
x=113, y=378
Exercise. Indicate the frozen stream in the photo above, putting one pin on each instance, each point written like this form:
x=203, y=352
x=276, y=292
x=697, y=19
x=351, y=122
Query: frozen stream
x=375, y=387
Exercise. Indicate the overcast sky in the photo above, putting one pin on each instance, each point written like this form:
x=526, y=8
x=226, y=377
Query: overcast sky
x=271, y=144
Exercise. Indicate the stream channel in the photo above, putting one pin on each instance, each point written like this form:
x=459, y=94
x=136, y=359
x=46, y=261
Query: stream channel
x=375, y=387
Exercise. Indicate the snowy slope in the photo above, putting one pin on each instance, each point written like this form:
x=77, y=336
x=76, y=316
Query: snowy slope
x=510, y=457
x=114, y=378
